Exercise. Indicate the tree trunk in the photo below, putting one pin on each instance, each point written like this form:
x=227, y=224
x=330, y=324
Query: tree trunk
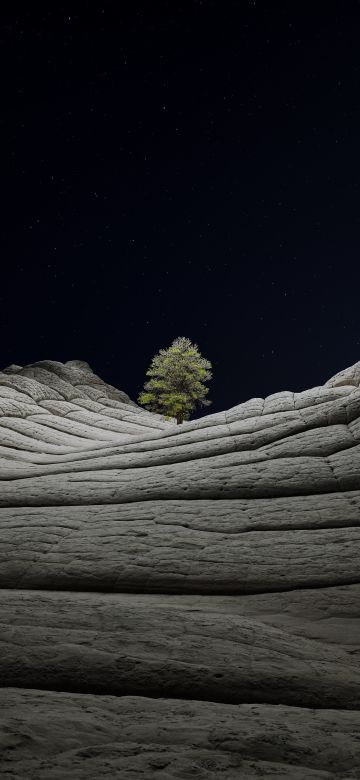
x=179, y=418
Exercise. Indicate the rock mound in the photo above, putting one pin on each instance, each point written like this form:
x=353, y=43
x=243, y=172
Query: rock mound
x=178, y=601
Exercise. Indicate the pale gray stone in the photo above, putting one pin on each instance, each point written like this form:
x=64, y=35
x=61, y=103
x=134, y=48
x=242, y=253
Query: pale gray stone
x=178, y=601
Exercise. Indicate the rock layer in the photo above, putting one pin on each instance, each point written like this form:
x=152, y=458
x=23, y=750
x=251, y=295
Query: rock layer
x=178, y=601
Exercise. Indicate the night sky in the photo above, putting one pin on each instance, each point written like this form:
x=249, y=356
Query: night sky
x=182, y=169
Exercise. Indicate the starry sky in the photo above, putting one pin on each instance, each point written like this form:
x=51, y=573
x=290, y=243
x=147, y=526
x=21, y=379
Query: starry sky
x=182, y=169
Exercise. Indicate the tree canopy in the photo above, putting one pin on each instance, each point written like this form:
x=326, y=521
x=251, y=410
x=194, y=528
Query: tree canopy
x=176, y=383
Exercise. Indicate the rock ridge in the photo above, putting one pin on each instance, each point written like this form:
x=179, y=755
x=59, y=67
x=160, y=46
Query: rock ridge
x=177, y=601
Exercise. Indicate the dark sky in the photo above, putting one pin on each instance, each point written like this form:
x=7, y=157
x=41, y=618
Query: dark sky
x=182, y=169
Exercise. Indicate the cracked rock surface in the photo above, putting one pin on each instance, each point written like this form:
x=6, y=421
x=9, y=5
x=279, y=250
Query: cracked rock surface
x=178, y=601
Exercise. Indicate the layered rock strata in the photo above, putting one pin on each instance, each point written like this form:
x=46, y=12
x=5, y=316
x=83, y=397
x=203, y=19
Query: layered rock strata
x=178, y=601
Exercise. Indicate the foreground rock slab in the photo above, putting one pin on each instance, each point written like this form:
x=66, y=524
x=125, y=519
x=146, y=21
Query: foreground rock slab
x=63, y=735
x=109, y=644
x=178, y=601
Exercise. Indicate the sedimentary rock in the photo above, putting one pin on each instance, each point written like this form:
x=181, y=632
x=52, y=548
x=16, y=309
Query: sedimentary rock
x=178, y=601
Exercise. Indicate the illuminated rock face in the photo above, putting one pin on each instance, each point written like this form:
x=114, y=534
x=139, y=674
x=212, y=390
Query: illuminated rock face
x=178, y=601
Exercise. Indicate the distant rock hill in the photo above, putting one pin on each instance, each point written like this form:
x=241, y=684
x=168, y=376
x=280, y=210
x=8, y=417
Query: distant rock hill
x=178, y=601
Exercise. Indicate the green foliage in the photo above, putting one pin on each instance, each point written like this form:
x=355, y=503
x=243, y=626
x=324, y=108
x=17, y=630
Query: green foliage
x=176, y=383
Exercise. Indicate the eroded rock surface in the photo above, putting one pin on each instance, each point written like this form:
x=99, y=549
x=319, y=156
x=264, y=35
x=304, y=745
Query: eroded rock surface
x=178, y=601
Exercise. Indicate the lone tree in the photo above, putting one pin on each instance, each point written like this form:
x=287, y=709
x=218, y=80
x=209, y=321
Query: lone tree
x=176, y=383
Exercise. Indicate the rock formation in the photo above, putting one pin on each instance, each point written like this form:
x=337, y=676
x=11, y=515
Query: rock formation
x=178, y=602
